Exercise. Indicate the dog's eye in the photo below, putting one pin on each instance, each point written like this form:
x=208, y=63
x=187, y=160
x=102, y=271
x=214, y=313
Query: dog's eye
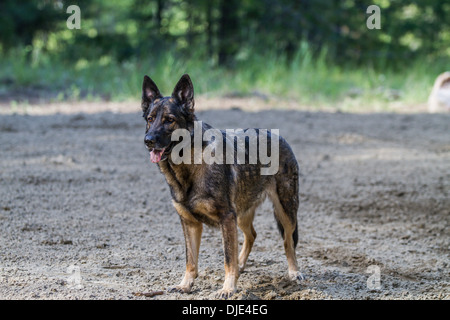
x=150, y=119
x=170, y=120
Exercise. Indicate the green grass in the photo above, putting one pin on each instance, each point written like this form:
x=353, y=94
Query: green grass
x=309, y=81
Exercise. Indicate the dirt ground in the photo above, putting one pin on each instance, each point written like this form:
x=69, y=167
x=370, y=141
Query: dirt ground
x=84, y=214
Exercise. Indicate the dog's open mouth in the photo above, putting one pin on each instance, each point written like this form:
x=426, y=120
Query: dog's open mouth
x=156, y=155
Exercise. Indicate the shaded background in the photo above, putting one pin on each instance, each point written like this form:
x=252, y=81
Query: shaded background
x=317, y=52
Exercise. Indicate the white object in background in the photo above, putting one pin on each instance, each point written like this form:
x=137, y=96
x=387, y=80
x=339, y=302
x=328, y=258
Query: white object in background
x=439, y=100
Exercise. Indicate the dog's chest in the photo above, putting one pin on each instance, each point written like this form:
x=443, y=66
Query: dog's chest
x=190, y=203
x=178, y=181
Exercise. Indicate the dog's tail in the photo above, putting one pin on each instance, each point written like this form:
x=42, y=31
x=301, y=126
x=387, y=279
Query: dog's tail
x=295, y=235
x=286, y=201
x=281, y=230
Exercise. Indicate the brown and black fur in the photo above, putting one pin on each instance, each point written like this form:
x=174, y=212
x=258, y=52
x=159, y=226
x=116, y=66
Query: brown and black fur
x=219, y=195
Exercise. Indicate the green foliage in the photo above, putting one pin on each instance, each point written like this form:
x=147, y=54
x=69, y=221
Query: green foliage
x=21, y=21
x=304, y=78
x=226, y=30
x=311, y=50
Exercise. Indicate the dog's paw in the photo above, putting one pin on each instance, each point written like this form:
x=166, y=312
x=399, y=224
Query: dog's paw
x=296, y=276
x=179, y=289
x=225, y=294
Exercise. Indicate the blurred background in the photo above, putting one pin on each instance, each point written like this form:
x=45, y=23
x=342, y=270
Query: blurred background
x=316, y=52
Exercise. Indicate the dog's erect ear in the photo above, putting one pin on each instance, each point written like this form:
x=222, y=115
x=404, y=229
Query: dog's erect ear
x=150, y=91
x=184, y=93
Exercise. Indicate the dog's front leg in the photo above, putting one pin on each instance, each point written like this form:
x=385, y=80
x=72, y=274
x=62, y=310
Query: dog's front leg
x=192, y=235
x=230, y=248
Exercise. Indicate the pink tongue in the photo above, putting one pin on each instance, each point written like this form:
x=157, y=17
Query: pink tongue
x=155, y=155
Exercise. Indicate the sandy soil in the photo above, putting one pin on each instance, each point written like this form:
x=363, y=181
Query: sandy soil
x=85, y=215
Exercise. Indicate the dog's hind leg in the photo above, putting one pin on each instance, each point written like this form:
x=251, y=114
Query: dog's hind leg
x=284, y=197
x=245, y=223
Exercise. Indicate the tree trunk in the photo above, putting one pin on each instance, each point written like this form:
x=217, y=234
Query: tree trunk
x=228, y=31
x=158, y=16
x=209, y=30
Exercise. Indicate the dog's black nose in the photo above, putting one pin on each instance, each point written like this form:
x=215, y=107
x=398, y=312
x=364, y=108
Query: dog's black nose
x=149, y=140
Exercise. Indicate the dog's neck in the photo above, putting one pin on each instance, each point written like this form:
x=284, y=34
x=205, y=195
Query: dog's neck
x=181, y=177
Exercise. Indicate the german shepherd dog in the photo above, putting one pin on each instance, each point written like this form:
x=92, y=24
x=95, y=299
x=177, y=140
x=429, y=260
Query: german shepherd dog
x=219, y=195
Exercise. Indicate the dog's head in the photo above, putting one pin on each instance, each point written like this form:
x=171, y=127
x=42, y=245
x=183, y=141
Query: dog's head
x=166, y=114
